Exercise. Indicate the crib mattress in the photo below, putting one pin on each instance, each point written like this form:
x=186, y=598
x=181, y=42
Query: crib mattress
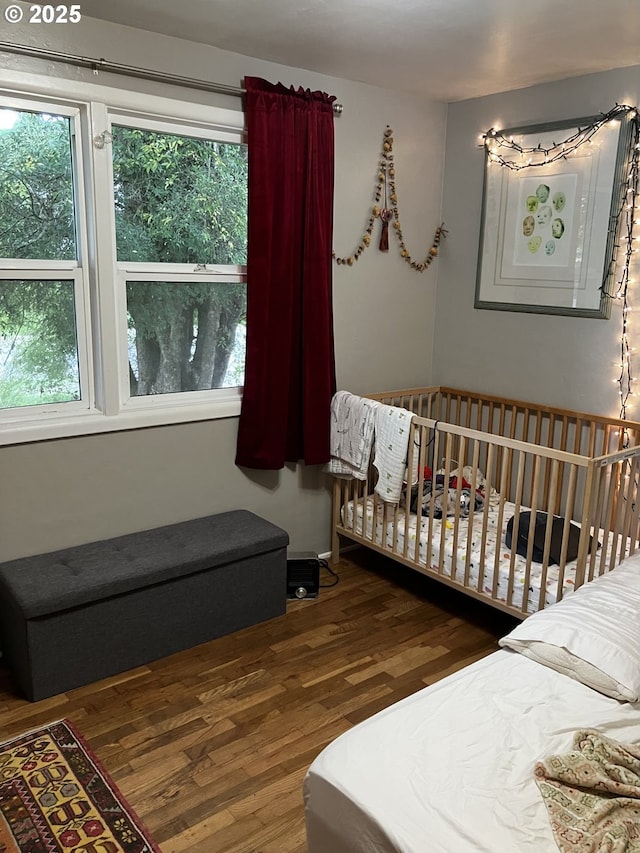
x=450, y=768
x=454, y=564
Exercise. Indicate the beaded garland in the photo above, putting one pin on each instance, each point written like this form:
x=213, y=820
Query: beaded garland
x=386, y=178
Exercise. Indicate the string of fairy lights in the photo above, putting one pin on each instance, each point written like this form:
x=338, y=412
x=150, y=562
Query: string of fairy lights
x=627, y=225
x=506, y=151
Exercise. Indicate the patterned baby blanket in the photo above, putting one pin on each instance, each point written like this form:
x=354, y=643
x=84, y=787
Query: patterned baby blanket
x=353, y=421
x=592, y=795
x=393, y=429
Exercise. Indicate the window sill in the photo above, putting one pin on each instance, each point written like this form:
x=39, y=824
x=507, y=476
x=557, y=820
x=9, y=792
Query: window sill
x=96, y=422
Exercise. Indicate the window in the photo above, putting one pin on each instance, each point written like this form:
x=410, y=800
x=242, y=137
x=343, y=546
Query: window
x=181, y=202
x=41, y=285
x=39, y=344
x=123, y=239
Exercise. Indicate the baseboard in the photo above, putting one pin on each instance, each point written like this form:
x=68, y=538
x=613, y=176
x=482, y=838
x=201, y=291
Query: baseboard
x=327, y=554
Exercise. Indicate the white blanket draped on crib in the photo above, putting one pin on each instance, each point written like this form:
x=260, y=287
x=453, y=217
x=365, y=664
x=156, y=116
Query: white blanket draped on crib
x=352, y=432
x=392, y=430
x=360, y=425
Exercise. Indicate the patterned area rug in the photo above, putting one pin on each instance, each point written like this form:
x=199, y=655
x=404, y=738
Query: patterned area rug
x=56, y=798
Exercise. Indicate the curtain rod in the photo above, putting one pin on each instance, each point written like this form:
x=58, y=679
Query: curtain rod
x=97, y=65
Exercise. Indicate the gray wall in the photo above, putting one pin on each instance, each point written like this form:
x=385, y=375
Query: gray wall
x=565, y=361
x=59, y=493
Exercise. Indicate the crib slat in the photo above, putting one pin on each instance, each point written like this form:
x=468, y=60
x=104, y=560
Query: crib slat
x=551, y=498
x=566, y=527
x=633, y=497
x=499, y=527
x=412, y=464
x=532, y=521
x=608, y=520
x=456, y=518
x=592, y=439
x=600, y=488
x=618, y=510
x=538, y=432
x=587, y=514
x=501, y=431
x=632, y=472
x=474, y=485
x=432, y=498
x=443, y=521
x=563, y=446
x=395, y=526
x=551, y=426
x=467, y=417
x=485, y=517
x=516, y=524
x=447, y=411
x=564, y=432
x=423, y=439
x=336, y=506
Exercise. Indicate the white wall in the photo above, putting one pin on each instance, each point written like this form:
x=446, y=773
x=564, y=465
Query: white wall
x=564, y=361
x=59, y=493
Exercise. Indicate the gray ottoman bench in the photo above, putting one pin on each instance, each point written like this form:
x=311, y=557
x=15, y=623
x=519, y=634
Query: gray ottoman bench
x=74, y=616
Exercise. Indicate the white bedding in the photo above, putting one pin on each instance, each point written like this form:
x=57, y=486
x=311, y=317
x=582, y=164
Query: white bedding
x=450, y=769
x=494, y=539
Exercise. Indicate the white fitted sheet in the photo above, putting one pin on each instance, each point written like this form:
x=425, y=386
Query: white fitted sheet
x=494, y=540
x=450, y=768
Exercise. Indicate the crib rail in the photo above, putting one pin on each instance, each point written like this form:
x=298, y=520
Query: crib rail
x=562, y=429
x=592, y=494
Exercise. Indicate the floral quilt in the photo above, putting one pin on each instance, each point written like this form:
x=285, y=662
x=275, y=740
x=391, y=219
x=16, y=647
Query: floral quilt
x=592, y=795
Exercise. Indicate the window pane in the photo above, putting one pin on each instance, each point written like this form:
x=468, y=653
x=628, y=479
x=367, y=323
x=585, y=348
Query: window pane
x=36, y=187
x=179, y=199
x=38, y=343
x=185, y=337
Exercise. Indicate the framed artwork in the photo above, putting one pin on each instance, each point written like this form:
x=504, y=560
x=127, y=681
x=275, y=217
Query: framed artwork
x=547, y=235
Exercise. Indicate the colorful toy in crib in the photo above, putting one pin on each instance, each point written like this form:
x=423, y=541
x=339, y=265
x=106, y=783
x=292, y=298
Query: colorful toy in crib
x=446, y=499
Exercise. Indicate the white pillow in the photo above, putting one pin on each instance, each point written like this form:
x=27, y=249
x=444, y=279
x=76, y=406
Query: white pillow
x=592, y=635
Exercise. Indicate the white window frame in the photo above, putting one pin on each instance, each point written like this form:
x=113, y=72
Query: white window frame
x=100, y=280
x=60, y=270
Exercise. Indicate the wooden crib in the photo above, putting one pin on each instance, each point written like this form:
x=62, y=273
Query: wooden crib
x=580, y=470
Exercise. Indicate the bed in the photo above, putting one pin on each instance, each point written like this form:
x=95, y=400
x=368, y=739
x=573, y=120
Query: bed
x=451, y=768
x=563, y=482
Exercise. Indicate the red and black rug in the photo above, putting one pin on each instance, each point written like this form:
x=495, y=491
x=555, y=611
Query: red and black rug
x=56, y=798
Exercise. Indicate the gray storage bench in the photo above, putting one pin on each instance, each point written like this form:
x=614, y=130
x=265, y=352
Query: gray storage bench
x=74, y=616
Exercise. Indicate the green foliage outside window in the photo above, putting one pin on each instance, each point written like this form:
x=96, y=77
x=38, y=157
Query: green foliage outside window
x=180, y=200
x=36, y=189
x=177, y=199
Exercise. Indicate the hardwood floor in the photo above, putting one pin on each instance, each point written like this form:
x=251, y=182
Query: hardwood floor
x=211, y=745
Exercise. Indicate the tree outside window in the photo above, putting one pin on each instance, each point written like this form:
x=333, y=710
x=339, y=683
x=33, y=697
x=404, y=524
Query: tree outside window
x=38, y=335
x=180, y=214
x=181, y=200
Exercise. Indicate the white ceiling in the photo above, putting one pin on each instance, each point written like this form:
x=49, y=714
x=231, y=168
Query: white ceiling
x=447, y=50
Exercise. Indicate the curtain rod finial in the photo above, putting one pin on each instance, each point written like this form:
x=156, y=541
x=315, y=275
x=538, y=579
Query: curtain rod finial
x=337, y=109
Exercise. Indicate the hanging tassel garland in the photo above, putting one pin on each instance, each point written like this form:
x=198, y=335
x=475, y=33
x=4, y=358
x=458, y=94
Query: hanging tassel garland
x=385, y=217
x=386, y=186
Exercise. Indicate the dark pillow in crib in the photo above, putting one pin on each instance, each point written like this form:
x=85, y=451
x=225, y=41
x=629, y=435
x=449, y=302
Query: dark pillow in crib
x=539, y=532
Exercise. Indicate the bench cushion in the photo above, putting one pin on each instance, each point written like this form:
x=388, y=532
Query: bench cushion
x=61, y=580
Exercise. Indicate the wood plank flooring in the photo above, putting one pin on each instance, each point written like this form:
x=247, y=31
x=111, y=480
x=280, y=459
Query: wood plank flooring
x=210, y=746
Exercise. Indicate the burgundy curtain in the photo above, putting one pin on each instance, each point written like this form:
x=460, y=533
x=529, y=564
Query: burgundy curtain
x=290, y=367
